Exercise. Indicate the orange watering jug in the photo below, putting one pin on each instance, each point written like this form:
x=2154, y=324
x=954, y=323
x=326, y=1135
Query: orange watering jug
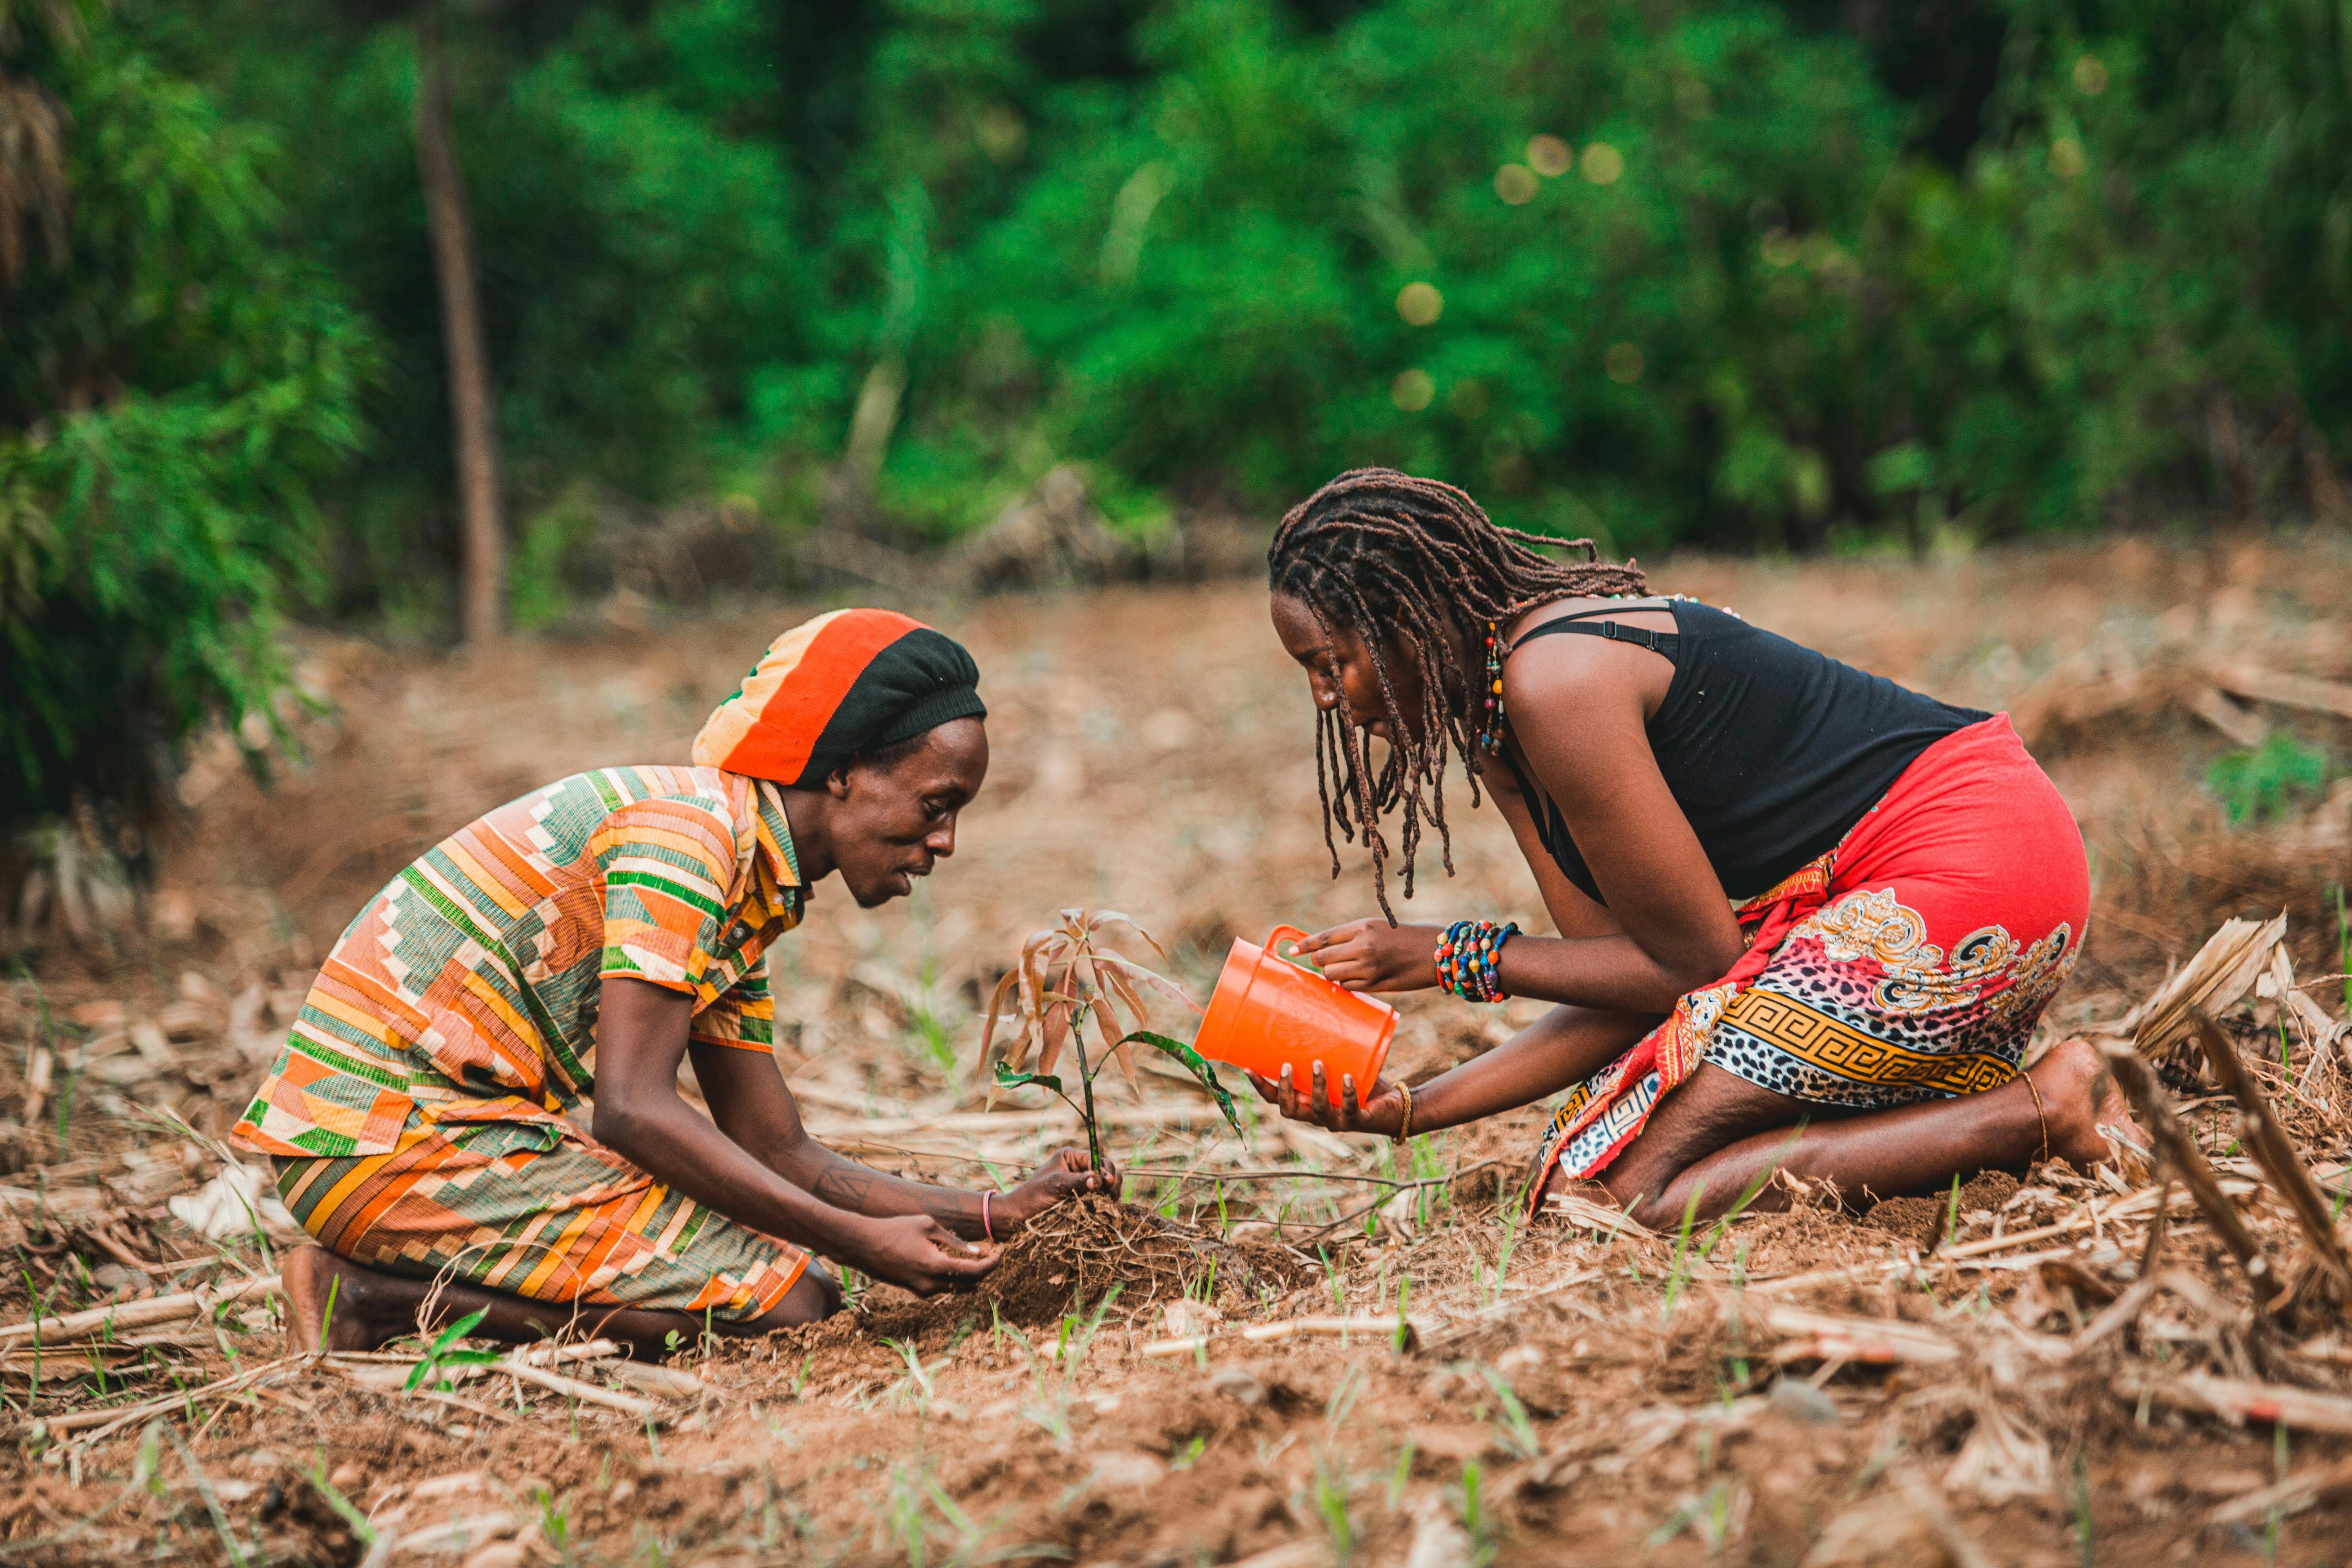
x=1268, y=1012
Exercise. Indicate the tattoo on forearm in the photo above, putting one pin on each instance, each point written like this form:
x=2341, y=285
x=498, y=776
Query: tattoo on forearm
x=849, y=1185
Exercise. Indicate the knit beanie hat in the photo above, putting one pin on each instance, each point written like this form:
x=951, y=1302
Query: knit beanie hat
x=835, y=687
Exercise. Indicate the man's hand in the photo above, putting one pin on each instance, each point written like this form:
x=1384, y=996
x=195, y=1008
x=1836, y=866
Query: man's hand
x=1373, y=956
x=1064, y=1176
x=917, y=1252
x=1380, y=1111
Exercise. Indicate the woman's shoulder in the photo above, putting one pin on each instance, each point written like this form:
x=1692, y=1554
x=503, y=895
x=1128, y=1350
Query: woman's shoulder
x=1657, y=611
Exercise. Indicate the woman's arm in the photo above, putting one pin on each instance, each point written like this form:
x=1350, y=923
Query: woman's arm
x=1580, y=708
x=754, y=1107
x=640, y=1038
x=1572, y=914
x=1595, y=961
x=1566, y=1046
x=1373, y=955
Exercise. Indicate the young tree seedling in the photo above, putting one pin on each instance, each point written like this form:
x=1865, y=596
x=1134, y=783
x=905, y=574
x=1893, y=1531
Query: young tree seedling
x=1067, y=980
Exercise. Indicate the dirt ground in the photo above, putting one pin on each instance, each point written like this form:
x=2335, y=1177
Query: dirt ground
x=1804, y=1387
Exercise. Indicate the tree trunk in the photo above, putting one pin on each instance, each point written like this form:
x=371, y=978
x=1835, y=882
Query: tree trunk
x=472, y=414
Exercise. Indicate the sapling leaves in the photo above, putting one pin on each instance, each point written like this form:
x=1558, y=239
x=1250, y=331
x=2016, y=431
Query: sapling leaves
x=442, y=1355
x=1007, y=1078
x=1063, y=981
x=1132, y=970
x=1192, y=1061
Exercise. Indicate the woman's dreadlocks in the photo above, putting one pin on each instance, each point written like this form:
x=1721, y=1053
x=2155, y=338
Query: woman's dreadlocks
x=1384, y=553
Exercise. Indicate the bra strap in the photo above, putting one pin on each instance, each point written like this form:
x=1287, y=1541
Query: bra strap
x=1662, y=642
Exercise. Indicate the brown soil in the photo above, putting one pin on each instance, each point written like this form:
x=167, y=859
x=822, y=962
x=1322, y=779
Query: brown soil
x=1153, y=755
x=1922, y=1220
x=1092, y=1253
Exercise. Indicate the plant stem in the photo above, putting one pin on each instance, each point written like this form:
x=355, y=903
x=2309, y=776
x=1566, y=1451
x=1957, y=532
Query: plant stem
x=1086, y=1084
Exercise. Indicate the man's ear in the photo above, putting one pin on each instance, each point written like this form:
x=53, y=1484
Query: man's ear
x=837, y=783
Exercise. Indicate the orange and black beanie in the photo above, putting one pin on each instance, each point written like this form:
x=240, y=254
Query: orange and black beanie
x=833, y=689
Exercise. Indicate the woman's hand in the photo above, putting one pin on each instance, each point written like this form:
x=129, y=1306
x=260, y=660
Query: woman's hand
x=1380, y=1112
x=1373, y=956
x=1064, y=1176
x=917, y=1252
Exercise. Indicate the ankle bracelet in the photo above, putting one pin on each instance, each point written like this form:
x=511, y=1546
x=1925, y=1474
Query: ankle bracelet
x=2039, y=1115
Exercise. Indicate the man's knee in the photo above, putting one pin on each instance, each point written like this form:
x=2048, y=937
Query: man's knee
x=814, y=1297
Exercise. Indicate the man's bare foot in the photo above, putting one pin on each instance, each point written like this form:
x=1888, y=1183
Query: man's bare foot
x=2076, y=1095
x=324, y=1292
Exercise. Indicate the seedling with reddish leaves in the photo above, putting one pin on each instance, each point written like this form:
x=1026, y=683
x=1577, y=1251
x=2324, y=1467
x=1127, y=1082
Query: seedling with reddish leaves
x=1069, y=980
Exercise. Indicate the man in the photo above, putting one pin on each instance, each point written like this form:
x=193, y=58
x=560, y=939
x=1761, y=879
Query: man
x=424, y=1115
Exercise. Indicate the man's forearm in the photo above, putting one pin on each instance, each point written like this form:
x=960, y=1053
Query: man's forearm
x=844, y=1184
x=679, y=1148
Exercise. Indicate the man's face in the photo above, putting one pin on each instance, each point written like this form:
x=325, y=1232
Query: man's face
x=890, y=821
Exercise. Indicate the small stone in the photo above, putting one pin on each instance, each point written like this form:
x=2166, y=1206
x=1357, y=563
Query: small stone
x=1798, y=1400
x=120, y=1280
x=346, y=1478
x=1187, y=1318
x=1129, y=1470
x=620, y=1493
x=261, y=1461
x=499, y=1554
x=1237, y=1385
x=1437, y=1541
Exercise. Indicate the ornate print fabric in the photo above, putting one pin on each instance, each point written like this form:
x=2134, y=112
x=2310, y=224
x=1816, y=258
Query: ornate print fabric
x=1845, y=996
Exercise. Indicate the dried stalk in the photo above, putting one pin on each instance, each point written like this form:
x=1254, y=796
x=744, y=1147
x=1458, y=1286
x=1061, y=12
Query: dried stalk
x=2274, y=1151
x=135, y=1314
x=2178, y=1156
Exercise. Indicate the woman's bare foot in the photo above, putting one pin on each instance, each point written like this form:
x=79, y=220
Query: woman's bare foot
x=2076, y=1095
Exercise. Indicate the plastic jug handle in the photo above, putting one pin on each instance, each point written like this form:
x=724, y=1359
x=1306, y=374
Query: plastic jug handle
x=1274, y=937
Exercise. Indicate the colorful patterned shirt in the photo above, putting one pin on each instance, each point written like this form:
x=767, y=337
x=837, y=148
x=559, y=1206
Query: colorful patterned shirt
x=467, y=990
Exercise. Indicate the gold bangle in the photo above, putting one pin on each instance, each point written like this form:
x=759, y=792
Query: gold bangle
x=2039, y=1115
x=1405, y=1126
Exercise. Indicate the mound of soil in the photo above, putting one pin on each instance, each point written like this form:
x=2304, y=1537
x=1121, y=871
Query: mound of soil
x=1068, y=1260
x=1076, y=1253
x=1921, y=1220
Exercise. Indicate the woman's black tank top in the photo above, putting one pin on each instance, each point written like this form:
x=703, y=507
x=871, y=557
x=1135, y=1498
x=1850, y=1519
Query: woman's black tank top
x=1772, y=750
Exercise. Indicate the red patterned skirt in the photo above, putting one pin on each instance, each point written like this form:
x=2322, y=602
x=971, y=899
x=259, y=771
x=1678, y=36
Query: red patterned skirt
x=1910, y=962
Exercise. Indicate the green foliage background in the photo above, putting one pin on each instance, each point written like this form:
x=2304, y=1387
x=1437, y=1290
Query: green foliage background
x=1168, y=239
x=173, y=388
x=1818, y=275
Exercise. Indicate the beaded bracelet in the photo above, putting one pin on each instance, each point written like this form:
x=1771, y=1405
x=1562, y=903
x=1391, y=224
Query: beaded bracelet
x=1469, y=959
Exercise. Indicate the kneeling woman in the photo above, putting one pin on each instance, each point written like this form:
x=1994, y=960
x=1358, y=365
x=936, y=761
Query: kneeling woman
x=1807, y=918
x=579, y=941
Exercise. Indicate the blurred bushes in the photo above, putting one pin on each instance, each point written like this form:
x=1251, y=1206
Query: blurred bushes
x=175, y=380
x=1762, y=281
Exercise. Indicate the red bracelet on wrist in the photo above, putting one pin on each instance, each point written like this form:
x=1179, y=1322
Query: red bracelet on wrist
x=986, y=1229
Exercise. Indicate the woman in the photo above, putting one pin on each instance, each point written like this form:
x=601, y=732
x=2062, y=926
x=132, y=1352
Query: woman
x=1807, y=918
x=580, y=941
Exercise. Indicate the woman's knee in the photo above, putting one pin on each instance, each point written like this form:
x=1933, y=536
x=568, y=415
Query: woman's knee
x=1643, y=1194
